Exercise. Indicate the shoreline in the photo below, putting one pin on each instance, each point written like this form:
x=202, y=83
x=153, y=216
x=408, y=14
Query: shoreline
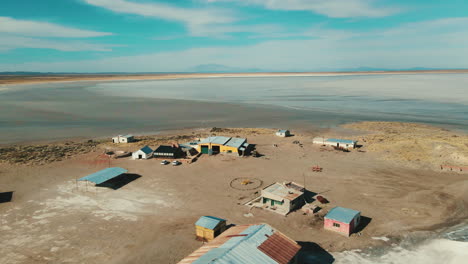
x=58, y=78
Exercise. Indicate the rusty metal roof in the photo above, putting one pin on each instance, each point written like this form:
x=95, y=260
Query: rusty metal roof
x=280, y=248
x=246, y=244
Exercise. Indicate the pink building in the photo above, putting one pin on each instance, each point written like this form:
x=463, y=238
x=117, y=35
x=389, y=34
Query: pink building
x=342, y=220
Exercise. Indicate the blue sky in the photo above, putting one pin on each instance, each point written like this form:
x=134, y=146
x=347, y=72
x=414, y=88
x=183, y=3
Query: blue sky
x=231, y=35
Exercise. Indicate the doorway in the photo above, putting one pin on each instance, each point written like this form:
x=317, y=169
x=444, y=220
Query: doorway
x=140, y=156
x=216, y=149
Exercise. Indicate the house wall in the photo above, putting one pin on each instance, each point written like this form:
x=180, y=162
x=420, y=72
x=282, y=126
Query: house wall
x=203, y=233
x=137, y=153
x=343, y=229
x=222, y=148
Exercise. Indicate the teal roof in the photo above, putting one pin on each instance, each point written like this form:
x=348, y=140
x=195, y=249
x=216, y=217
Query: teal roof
x=241, y=249
x=342, y=214
x=104, y=175
x=146, y=150
x=343, y=141
x=209, y=222
x=236, y=142
x=215, y=140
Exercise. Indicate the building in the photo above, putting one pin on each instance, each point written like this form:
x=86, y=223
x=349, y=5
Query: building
x=281, y=198
x=209, y=227
x=283, y=133
x=170, y=152
x=215, y=145
x=342, y=220
x=143, y=153
x=123, y=139
x=258, y=243
x=343, y=143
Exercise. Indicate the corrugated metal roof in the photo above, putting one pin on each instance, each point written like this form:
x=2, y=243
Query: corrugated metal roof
x=341, y=214
x=281, y=190
x=209, y=222
x=146, y=150
x=229, y=248
x=235, y=142
x=283, y=131
x=344, y=141
x=127, y=136
x=104, y=175
x=280, y=248
x=216, y=140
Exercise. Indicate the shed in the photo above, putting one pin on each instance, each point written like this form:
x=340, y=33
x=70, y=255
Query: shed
x=258, y=243
x=342, y=220
x=123, y=139
x=341, y=143
x=209, y=227
x=283, y=133
x=171, y=152
x=143, y=153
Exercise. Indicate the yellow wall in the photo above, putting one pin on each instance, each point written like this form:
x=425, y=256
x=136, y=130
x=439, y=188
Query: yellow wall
x=222, y=148
x=209, y=234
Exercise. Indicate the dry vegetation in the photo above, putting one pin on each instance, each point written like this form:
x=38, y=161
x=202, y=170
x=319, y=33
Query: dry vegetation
x=414, y=143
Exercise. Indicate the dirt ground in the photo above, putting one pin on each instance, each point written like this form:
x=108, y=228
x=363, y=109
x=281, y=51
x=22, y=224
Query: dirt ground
x=150, y=218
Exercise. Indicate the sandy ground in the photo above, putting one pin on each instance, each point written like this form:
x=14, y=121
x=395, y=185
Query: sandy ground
x=30, y=79
x=151, y=219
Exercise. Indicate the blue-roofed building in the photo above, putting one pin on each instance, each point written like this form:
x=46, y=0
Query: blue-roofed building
x=104, y=175
x=258, y=243
x=335, y=142
x=209, y=227
x=219, y=144
x=143, y=153
x=342, y=220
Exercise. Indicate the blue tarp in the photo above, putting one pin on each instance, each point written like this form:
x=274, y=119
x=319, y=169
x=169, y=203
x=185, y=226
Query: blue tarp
x=104, y=175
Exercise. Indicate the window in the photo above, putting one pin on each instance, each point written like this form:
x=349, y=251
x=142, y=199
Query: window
x=336, y=225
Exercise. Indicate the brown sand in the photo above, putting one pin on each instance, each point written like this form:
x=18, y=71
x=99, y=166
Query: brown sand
x=151, y=219
x=30, y=79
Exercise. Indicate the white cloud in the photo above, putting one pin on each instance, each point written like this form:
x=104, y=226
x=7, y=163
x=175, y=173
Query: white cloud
x=9, y=42
x=197, y=20
x=330, y=8
x=44, y=29
x=406, y=46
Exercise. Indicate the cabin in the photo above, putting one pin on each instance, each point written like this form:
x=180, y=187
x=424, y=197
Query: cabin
x=226, y=145
x=209, y=227
x=334, y=142
x=257, y=243
x=283, y=198
x=283, y=133
x=342, y=220
x=170, y=152
x=123, y=139
x=143, y=153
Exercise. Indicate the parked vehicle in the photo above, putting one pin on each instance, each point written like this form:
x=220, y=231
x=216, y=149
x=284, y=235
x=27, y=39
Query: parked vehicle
x=176, y=163
x=164, y=162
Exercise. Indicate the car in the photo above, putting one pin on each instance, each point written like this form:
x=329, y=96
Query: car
x=164, y=162
x=176, y=163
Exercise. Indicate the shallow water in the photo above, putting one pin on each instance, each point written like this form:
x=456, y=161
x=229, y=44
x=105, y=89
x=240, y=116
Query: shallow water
x=95, y=109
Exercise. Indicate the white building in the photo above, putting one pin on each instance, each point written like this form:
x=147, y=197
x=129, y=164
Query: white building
x=283, y=133
x=344, y=143
x=123, y=139
x=143, y=153
x=280, y=198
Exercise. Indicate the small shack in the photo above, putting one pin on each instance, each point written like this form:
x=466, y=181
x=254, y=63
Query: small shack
x=170, y=152
x=143, y=153
x=123, y=139
x=209, y=227
x=283, y=133
x=283, y=198
x=342, y=220
x=340, y=143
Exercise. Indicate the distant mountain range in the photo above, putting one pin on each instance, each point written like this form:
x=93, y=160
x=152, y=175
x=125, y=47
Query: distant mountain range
x=218, y=68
